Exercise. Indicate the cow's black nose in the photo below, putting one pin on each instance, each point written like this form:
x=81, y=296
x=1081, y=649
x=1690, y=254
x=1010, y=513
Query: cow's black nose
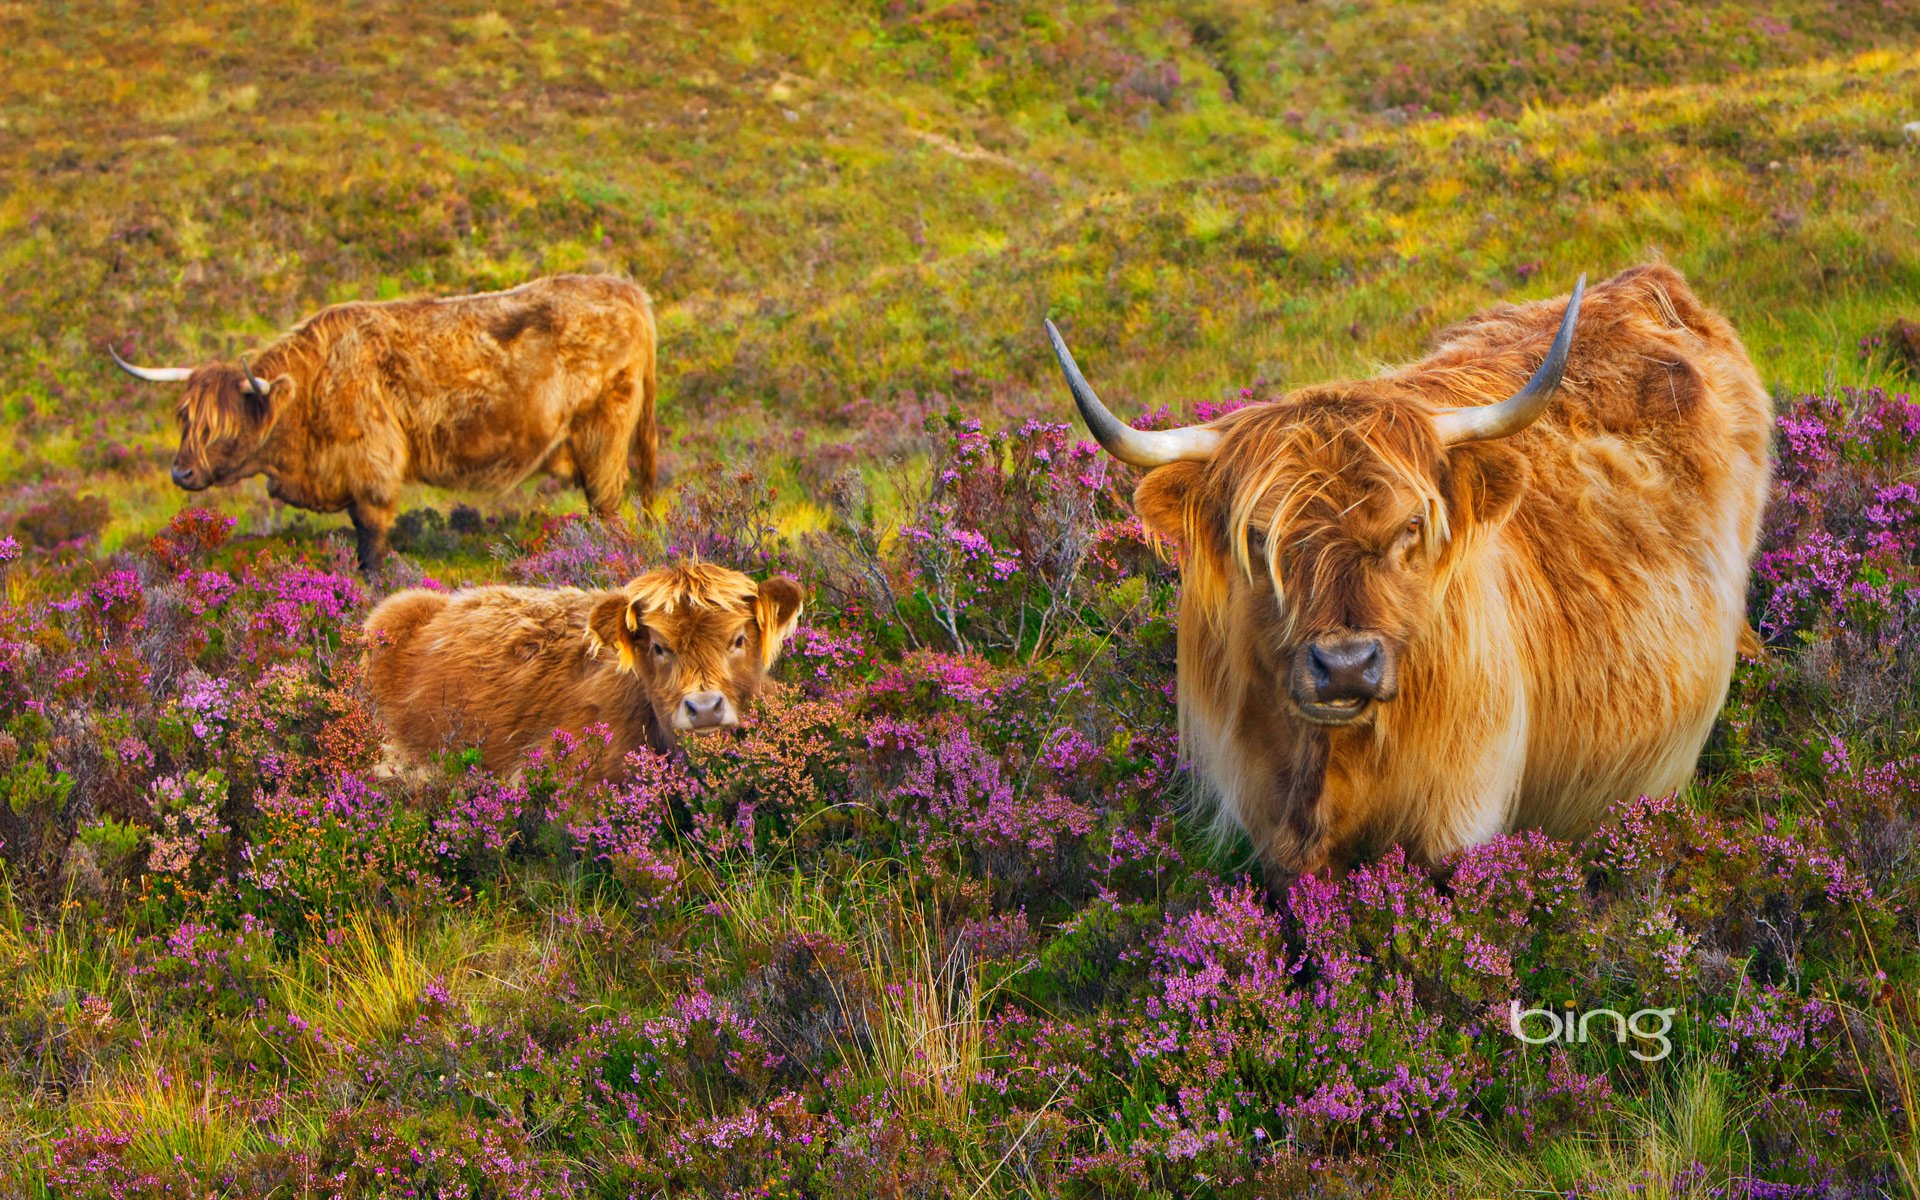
x=1347, y=670
x=182, y=477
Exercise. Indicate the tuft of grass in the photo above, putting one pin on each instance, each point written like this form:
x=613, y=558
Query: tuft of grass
x=919, y=1038
x=1684, y=1138
x=1884, y=1052
x=926, y=1029
x=366, y=984
x=171, y=1117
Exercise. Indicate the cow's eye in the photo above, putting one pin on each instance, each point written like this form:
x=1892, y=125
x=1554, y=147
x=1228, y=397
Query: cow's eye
x=1415, y=524
x=660, y=651
x=739, y=641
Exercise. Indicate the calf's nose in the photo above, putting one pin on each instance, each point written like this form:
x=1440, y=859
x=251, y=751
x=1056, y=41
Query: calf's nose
x=705, y=708
x=1347, y=670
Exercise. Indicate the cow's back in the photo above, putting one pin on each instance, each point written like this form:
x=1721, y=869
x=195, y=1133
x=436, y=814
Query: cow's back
x=480, y=391
x=1624, y=566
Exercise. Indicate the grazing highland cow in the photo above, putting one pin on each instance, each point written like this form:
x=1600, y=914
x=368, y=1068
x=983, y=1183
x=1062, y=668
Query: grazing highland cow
x=501, y=668
x=1417, y=612
x=468, y=392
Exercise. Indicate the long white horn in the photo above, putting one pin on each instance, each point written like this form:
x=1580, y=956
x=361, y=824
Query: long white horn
x=1524, y=407
x=151, y=374
x=1137, y=447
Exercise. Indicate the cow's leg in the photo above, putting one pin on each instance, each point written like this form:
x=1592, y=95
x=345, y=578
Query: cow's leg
x=1287, y=853
x=646, y=436
x=599, y=448
x=1296, y=827
x=371, y=520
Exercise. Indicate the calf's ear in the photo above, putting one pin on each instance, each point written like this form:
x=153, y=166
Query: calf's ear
x=614, y=622
x=777, y=610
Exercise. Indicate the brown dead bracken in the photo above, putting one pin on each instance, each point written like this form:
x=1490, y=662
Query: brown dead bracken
x=472, y=392
x=681, y=648
x=1499, y=588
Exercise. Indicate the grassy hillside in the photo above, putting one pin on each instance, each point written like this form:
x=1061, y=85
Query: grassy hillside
x=939, y=921
x=846, y=209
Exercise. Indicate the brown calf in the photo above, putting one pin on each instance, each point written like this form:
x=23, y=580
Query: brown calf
x=471, y=392
x=681, y=648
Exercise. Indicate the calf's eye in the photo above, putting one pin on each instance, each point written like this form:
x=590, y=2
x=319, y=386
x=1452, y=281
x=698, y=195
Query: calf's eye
x=739, y=641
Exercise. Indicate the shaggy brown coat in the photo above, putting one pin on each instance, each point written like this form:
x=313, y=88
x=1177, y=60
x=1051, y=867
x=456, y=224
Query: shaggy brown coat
x=502, y=668
x=1559, y=610
x=474, y=392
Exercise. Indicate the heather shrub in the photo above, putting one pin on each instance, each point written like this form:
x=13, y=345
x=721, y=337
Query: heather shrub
x=92, y=1164
x=1897, y=347
x=315, y=855
x=190, y=536
x=1837, y=582
x=623, y=829
x=577, y=551
x=997, y=550
x=724, y=513
x=937, y=912
x=385, y=1151
x=53, y=519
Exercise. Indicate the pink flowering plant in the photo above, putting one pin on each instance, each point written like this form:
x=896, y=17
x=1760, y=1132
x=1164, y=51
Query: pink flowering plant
x=940, y=911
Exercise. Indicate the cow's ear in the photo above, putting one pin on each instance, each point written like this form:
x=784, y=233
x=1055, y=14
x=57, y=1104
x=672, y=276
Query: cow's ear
x=263, y=411
x=1174, y=504
x=615, y=621
x=1165, y=500
x=1485, y=482
x=776, y=608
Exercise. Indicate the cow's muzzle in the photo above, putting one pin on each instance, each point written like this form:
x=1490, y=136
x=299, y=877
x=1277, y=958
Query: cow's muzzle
x=704, y=710
x=1336, y=679
x=190, y=478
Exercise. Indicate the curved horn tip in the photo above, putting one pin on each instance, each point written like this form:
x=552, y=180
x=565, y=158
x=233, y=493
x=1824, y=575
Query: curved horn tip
x=255, y=384
x=1135, y=447
x=150, y=374
x=1555, y=364
x=1524, y=407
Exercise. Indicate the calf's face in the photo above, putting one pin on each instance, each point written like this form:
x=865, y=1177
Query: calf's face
x=701, y=653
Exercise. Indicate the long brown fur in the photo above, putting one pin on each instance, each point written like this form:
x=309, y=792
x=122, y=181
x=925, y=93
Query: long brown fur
x=1562, y=618
x=473, y=392
x=501, y=668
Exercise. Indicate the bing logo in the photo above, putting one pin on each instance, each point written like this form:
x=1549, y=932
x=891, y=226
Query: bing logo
x=1571, y=1028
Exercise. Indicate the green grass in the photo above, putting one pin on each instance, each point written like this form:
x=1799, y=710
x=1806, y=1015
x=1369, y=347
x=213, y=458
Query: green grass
x=841, y=203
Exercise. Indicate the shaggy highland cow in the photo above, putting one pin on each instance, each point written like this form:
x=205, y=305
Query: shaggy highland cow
x=1499, y=588
x=681, y=648
x=475, y=392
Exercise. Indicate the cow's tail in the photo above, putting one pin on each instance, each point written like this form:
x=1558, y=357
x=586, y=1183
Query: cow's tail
x=646, y=431
x=392, y=629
